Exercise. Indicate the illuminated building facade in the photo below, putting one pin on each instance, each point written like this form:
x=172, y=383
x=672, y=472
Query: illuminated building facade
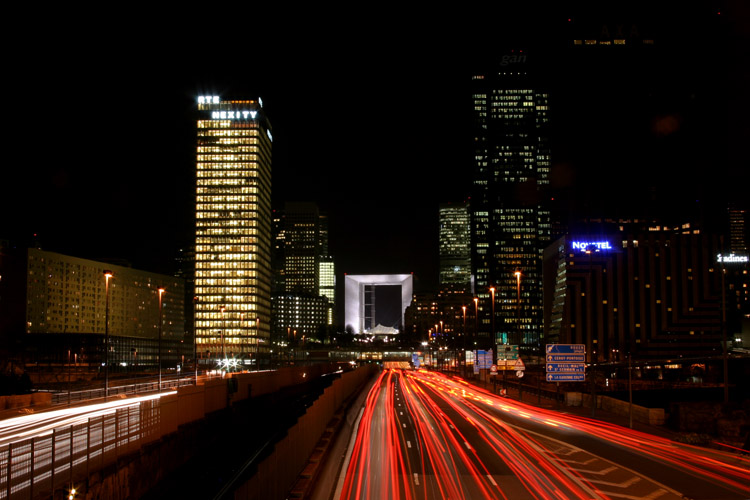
x=300, y=317
x=652, y=295
x=68, y=301
x=233, y=230
x=444, y=318
x=302, y=266
x=510, y=216
x=327, y=286
x=455, y=247
x=301, y=248
x=738, y=229
x=360, y=293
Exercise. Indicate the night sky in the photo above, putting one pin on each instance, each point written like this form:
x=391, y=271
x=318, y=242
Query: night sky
x=370, y=119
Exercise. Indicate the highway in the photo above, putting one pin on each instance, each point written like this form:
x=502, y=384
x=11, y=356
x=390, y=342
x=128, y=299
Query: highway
x=423, y=435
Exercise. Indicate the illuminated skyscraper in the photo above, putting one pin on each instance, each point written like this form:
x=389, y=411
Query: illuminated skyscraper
x=455, y=248
x=510, y=218
x=233, y=230
x=737, y=229
x=304, y=271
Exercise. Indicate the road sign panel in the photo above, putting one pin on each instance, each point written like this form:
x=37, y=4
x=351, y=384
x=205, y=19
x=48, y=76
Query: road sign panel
x=519, y=365
x=566, y=368
x=483, y=359
x=507, y=351
x=566, y=377
x=566, y=358
x=566, y=348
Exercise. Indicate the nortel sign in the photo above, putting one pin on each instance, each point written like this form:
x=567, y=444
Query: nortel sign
x=585, y=245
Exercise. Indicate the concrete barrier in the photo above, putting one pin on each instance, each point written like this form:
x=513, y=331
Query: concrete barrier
x=190, y=403
x=651, y=416
x=215, y=395
x=573, y=399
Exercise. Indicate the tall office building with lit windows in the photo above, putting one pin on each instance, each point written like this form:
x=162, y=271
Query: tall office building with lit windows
x=510, y=218
x=233, y=231
x=304, y=296
x=455, y=248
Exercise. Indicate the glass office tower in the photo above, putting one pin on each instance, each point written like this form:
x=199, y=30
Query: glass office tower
x=510, y=216
x=233, y=231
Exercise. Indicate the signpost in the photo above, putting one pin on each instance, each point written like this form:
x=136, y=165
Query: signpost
x=566, y=362
x=507, y=352
x=483, y=360
x=566, y=377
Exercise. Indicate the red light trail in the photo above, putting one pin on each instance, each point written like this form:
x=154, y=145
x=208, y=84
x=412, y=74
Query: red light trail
x=423, y=435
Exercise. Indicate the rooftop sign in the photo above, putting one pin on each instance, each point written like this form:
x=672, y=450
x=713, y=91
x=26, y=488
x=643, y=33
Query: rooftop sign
x=233, y=115
x=732, y=258
x=585, y=245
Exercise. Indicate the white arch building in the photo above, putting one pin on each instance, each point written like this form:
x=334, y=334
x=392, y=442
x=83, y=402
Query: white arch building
x=359, y=299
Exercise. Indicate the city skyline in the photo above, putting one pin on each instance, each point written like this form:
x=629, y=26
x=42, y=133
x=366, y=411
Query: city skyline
x=375, y=142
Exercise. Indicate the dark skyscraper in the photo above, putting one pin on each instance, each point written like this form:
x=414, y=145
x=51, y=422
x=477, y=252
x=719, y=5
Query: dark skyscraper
x=510, y=218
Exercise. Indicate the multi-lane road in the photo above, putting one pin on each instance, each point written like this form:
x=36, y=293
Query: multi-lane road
x=423, y=435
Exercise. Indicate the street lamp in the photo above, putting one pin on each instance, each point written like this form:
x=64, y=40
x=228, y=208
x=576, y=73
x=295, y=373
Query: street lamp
x=476, y=318
x=223, y=327
x=195, y=340
x=492, y=335
x=161, y=291
x=107, y=276
x=463, y=308
x=257, y=345
x=517, y=274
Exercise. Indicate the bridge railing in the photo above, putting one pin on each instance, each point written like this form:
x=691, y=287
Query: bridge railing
x=68, y=455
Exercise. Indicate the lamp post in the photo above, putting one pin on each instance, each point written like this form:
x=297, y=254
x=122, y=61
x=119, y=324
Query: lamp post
x=492, y=335
x=107, y=276
x=463, y=308
x=630, y=390
x=161, y=291
x=257, y=345
x=517, y=274
x=223, y=328
x=195, y=340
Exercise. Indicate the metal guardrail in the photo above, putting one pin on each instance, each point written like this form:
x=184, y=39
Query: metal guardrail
x=173, y=382
x=38, y=466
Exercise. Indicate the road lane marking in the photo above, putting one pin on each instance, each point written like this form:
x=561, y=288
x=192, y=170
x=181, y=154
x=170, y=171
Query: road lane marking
x=624, y=484
x=597, y=472
x=467, y=445
x=416, y=479
x=652, y=496
x=491, y=480
x=658, y=493
x=408, y=444
x=568, y=461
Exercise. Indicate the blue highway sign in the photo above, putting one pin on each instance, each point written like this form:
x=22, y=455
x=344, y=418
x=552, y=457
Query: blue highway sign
x=566, y=358
x=566, y=348
x=566, y=368
x=566, y=377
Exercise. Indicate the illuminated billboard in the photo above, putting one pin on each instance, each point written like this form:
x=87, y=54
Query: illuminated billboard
x=360, y=293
